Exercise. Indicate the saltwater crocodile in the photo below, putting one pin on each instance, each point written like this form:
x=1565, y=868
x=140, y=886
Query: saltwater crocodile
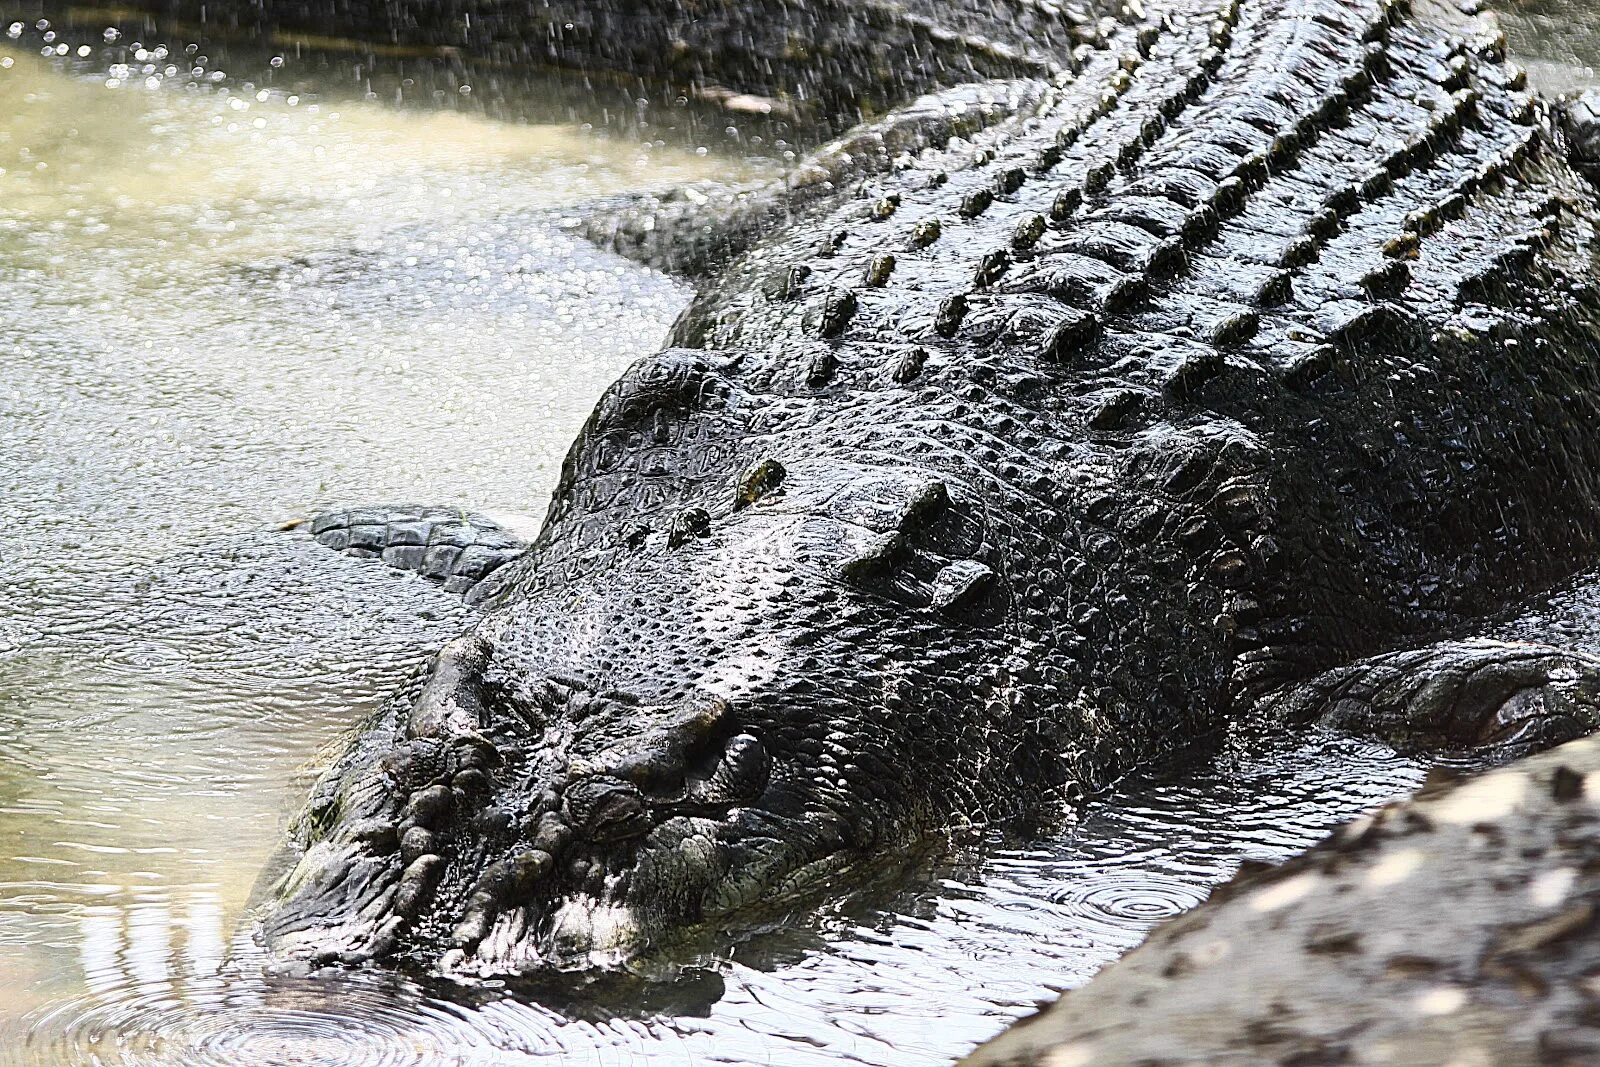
x=1256, y=347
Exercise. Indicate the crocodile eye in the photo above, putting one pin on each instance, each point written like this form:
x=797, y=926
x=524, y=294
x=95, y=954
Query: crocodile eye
x=738, y=777
x=605, y=809
x=505, y=701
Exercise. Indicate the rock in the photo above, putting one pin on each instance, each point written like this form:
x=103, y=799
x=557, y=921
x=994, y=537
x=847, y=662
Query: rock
x=1455, y=928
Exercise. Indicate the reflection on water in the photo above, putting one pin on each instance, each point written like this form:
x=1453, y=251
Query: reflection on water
x=222, y=306
x=904, y=979
x=1558, y=41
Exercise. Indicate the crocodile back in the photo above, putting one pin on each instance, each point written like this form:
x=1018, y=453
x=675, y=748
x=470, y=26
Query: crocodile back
x=1262, y=344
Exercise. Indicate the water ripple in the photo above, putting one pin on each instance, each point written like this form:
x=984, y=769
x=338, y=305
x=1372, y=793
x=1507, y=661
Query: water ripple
x=224, y=1022
x=1130, y=901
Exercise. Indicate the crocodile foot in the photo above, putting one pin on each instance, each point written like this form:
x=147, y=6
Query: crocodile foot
x=455, y=548
x=696, y=230
x=1496, y=699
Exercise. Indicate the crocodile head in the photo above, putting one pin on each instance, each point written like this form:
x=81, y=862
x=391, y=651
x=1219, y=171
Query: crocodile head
x=605, y=762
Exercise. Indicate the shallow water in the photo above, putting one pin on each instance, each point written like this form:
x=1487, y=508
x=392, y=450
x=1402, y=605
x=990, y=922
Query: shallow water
x=225, y=303
x=1557, y=41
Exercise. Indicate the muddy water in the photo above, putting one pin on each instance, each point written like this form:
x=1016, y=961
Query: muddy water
x=226, y=301
x=1557, y=41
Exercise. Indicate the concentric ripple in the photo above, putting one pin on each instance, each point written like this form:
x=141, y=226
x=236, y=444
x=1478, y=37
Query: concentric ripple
x=1131, y=900
x=225, y=1021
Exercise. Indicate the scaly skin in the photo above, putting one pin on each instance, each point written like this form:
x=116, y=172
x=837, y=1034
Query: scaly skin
x=1260, y=347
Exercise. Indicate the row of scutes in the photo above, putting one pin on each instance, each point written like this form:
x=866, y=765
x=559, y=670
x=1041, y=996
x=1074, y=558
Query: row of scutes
x=1124, y=231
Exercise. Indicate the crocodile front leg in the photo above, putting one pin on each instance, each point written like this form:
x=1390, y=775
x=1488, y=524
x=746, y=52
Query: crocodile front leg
x=1489, y=698
x=456, y=548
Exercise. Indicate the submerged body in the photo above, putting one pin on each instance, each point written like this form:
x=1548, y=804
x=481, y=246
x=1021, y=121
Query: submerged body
x=1261, y=345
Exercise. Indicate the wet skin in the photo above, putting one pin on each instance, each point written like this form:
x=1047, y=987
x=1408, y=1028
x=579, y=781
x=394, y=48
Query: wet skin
x=1261, y=346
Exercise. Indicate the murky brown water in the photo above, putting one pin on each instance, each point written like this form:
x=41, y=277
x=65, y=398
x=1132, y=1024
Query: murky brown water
x=224, y=303
x=1557, y=41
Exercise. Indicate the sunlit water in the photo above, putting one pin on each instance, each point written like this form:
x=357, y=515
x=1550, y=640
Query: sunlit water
x=1557, y=41
x=223, y=306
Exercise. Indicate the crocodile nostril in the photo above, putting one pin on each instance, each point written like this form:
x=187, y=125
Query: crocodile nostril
x=603, y=809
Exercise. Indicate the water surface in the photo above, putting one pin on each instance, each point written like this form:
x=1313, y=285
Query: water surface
x=227, y=302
